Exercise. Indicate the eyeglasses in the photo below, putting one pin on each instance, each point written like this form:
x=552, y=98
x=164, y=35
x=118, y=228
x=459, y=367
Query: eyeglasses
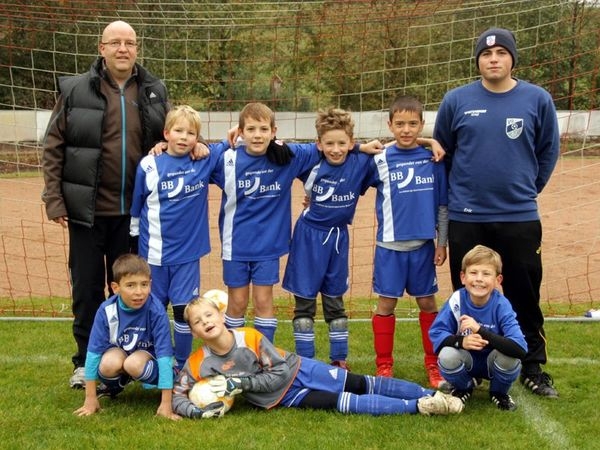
x=130, y=45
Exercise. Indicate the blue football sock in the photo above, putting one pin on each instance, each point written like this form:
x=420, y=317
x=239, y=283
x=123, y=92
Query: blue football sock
x=112, y=382
x=502, y=379
x=338, y=345
x=183, y=343
x=396, y=388
x=459, y=378
x=267, y=326
x=305, y=343
x=374, y=405
x=150, y=372
x=234, y=322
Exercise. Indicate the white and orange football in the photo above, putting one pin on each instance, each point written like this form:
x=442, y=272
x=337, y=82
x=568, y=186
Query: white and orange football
x=219, y=297
x=202, y=395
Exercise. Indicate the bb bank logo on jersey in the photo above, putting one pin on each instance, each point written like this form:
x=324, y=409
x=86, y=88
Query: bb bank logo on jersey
x=514, y=128
x=176, y=187
x=327, y=193
x=404, y=180
x=253, y=186
x=128, y=342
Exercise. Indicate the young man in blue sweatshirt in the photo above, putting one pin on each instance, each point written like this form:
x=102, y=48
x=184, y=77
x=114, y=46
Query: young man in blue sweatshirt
x=502, y=142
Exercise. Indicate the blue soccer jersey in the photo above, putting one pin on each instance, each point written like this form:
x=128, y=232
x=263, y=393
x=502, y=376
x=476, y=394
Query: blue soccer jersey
x=170, y=207
x=146, y=328
x=255, y=219
x=497, y=316
x=410, y=190
x=334, y=190
x=320, y=240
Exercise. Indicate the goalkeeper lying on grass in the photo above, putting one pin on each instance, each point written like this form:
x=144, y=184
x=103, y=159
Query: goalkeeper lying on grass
x=243, y=361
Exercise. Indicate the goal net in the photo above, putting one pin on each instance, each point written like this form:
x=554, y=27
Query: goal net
x=299, y=56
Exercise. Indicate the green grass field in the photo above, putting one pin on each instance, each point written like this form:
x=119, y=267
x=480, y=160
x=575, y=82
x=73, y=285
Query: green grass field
x=36, y=404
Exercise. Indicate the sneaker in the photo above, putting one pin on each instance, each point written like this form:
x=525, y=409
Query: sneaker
x=439, y=404
x=429, y=405
x=503, y=402
x=455, y=404
x=436, y=381
x=77, y=380
x=102, y=390
x=341, y=364
x=384, y=370
x=540, y=384
x=463, y=396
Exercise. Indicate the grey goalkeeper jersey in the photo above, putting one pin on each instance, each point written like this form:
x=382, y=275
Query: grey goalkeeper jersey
x=270, y=370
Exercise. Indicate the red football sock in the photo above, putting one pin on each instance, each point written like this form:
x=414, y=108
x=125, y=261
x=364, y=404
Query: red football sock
x=425, y=321
x=383, y=338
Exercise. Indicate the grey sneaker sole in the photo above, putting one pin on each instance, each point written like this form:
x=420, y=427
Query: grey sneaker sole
x=77, y=380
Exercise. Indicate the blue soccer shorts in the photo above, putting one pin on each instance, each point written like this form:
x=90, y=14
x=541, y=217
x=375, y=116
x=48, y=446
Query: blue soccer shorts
x=242, y=273
x=318, y=261
x=177, y=284
x=395, y=272
x=314, y=375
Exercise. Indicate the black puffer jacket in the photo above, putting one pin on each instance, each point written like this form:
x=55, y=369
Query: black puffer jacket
x=77, y=151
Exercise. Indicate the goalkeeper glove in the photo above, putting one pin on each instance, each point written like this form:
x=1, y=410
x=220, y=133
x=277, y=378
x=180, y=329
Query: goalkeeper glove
x=231, y=386
x=216, y=409
x=133, y=244
x=279, y=153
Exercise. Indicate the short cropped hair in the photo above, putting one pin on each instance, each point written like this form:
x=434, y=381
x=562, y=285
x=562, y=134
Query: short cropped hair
x=129, y=264
x=480, y=254
x=183, y=112
x=406, y=103
x=197, y=301
x=256, y=111
x=334, y=119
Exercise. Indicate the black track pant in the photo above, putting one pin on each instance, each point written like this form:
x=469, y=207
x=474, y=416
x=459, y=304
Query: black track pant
x=92, y=252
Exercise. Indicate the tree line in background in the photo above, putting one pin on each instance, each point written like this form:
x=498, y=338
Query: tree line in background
x=301, y=56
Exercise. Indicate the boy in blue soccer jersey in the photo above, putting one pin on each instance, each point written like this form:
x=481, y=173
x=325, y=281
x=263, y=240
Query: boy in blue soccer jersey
x=476, y=333
x=242, y=361
x=169, y=212
x=255, y=218
x=412, y=230
x=130, y=339
x=318, y=258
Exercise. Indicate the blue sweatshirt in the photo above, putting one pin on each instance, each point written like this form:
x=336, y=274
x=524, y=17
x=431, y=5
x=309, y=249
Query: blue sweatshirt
x=501, y=150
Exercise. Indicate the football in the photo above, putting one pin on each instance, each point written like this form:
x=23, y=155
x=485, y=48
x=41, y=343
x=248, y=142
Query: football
x=201, y=395
x=219, y=297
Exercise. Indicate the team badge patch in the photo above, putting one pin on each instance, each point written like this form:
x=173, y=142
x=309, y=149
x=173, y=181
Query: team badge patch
x=490, y=40
x=514, y=128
